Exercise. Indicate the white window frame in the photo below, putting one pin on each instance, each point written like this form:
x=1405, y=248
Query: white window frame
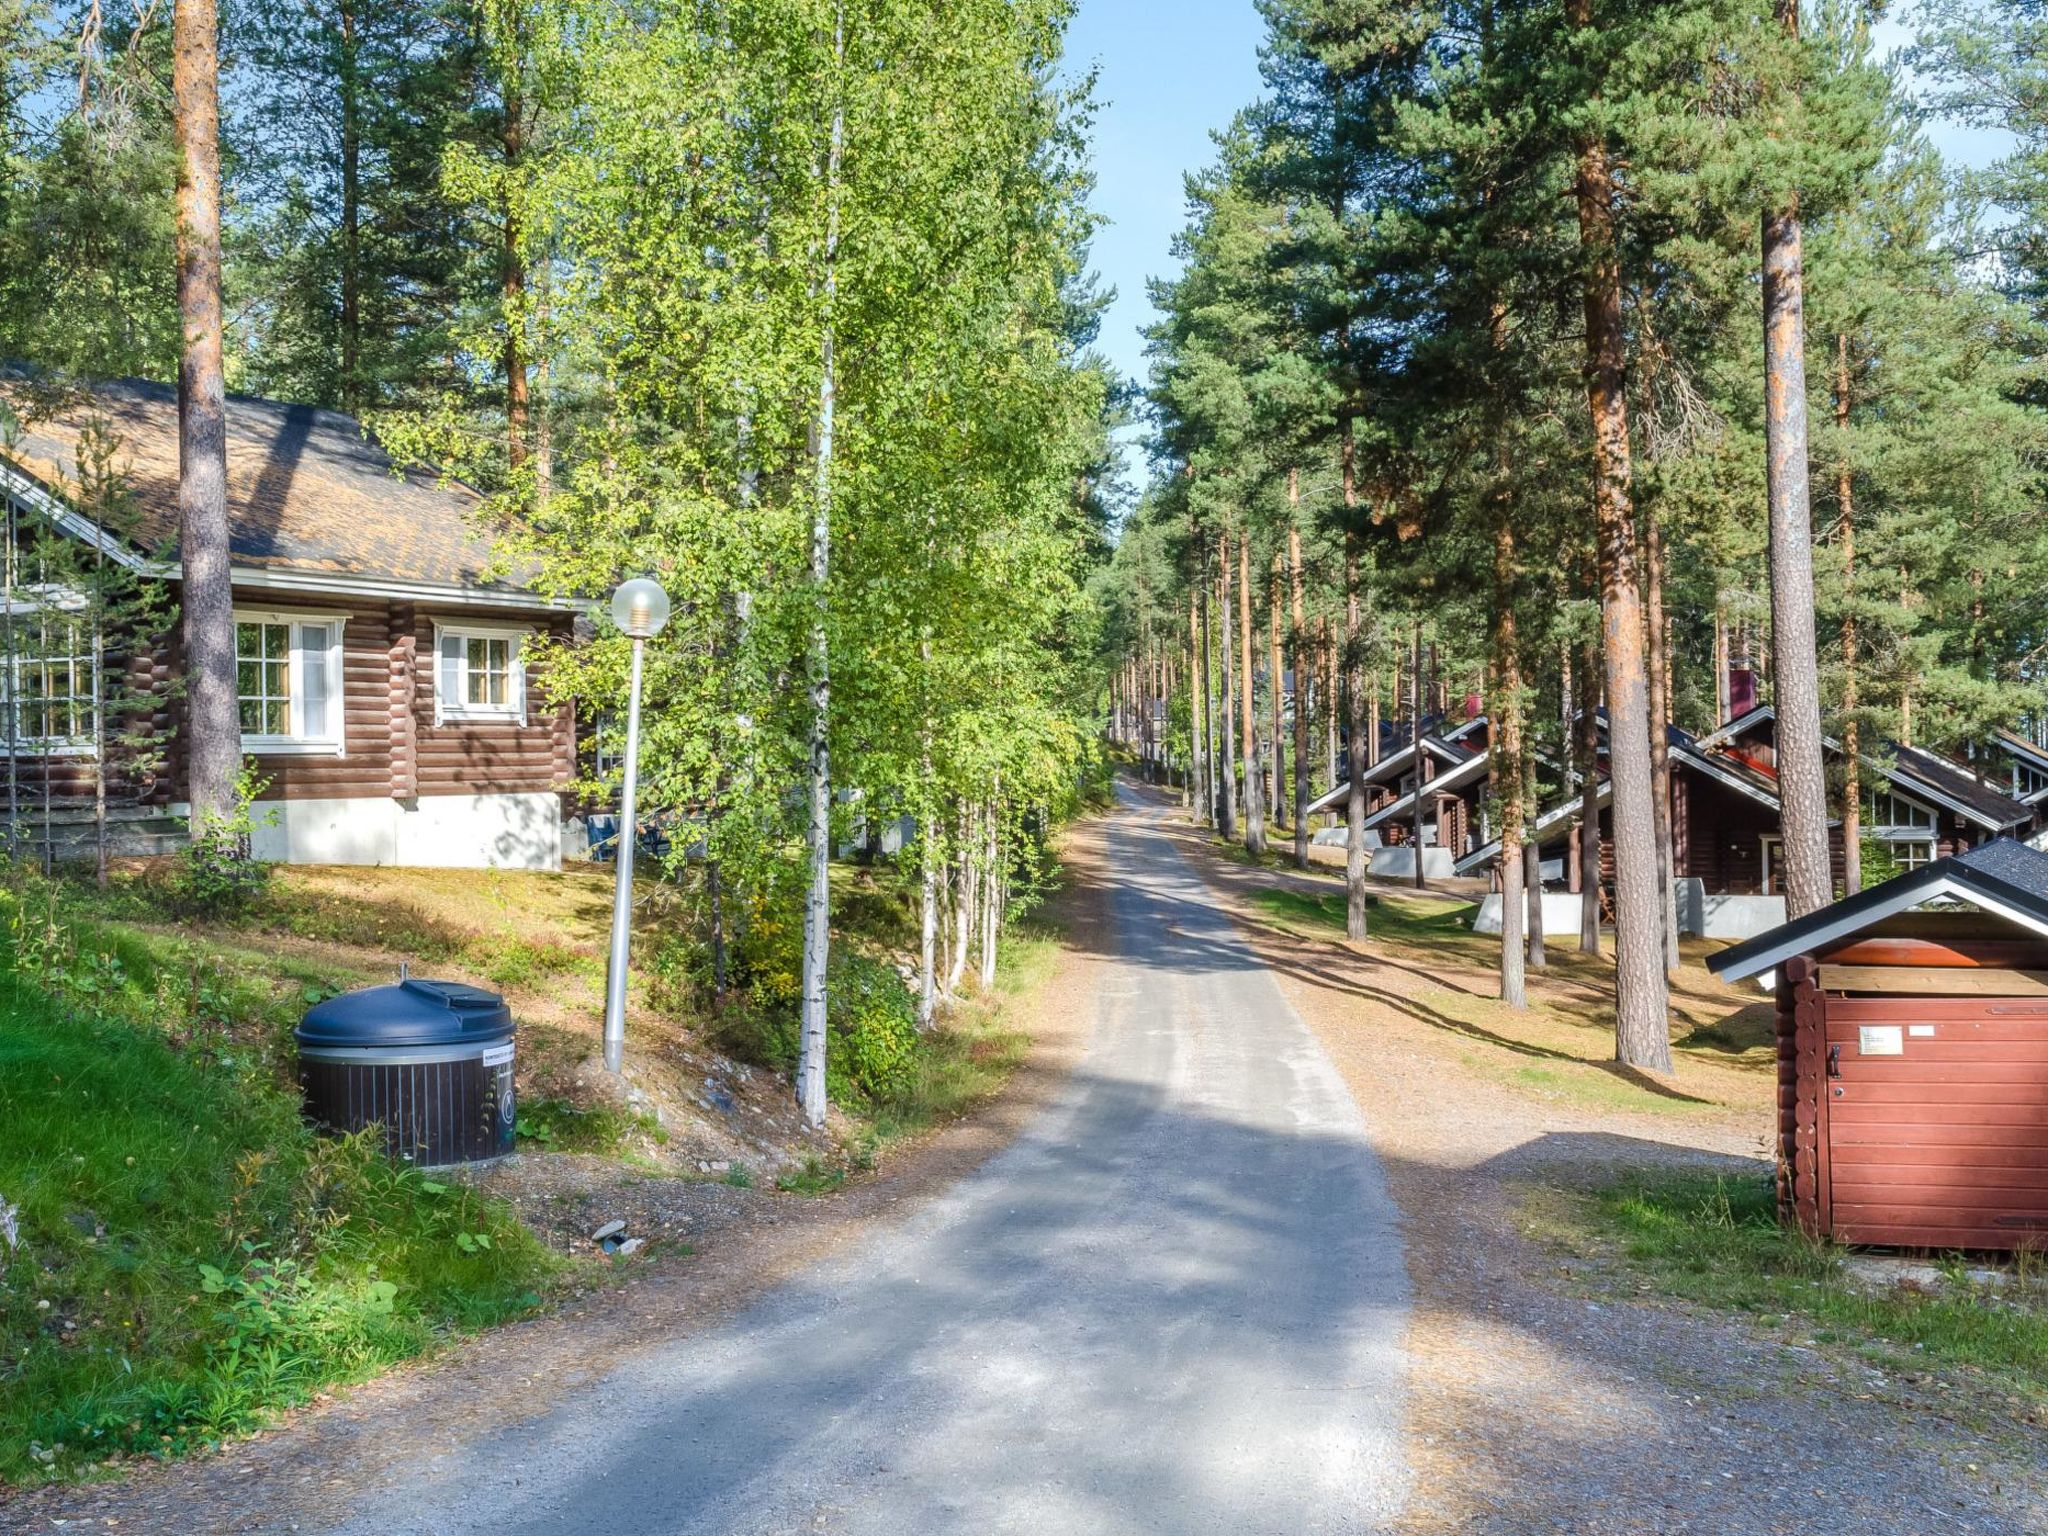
x=1900, y=831
x=458, y=710
x=300, y=742
x=33, y=601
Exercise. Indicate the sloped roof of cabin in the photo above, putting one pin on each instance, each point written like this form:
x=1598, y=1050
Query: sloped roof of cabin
x=307, y=490
x=2003, y=877
x=1913, y=769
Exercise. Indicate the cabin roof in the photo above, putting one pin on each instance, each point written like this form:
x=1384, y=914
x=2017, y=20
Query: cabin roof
x=1921, y=772
x=2004, y=877
x=309, y=490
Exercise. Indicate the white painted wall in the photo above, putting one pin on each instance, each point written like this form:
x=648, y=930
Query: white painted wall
x=1399, y=863
x=522, y=831
x=1560, y=914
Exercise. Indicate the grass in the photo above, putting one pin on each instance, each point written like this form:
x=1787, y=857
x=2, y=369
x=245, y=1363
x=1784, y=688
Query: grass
x=1717, y=1242
x=1391, y=919
x=191, y=1258
x=556, y=1125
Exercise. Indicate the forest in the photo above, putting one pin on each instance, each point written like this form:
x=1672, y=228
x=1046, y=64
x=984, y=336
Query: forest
x=783, y=304
x=1569, y=360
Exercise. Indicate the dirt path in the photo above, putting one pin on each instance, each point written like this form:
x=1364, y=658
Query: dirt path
x=1539, y=1399
x=307, y=1471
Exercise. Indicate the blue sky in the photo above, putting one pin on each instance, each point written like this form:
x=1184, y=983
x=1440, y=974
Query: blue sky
x=1169, y=77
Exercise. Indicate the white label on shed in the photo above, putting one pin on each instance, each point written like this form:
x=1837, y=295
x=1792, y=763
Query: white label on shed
x=498, y=1055
x=1881, y=1040
x=1917, y=1031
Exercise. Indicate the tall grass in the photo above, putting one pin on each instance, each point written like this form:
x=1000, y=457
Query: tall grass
x=1718, y=1242
x=191, y=1257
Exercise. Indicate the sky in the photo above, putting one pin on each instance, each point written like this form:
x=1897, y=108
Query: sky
x=1171, y=76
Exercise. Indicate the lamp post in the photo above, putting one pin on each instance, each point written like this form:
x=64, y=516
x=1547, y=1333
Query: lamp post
x=640, y=609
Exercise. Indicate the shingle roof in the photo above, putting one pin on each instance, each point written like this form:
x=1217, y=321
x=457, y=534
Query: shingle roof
x=2002, y=876
x=1971, y=796
x=307, y=491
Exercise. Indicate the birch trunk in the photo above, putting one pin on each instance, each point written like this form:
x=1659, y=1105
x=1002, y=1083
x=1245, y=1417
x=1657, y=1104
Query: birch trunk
x=810, y=1074
x=992, y=900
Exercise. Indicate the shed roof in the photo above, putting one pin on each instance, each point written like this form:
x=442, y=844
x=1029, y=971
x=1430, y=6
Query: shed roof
x=2004, y=877
x=308, y=490
x=1962, y=791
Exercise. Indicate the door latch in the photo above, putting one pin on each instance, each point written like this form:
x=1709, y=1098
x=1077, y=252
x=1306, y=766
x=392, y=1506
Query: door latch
x=1834, y=1061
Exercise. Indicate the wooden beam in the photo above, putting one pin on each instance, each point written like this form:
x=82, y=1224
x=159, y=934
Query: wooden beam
x=1934, y=980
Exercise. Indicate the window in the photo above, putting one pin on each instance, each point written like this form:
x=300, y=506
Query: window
x=1912, y=853
x=1884, y=809
x=48, y=689
x=288, y=682
x=479, y=674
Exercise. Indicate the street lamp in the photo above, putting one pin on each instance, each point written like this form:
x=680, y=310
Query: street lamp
x=640, y=609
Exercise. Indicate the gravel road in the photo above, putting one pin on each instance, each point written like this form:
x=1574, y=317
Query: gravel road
x=1175, y=1303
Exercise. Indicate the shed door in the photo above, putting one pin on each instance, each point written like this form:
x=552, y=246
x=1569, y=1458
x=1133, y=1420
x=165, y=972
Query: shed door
x=1937, y=1116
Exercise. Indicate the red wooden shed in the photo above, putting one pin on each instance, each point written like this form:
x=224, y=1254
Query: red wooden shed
x=1913, y=1056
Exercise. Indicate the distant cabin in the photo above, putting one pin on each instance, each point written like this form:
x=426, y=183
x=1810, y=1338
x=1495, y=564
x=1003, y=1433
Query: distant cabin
x=381, y=655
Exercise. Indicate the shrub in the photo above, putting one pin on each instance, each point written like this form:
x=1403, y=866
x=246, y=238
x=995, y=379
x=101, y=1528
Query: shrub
x=874, y=1047
x=217, y=873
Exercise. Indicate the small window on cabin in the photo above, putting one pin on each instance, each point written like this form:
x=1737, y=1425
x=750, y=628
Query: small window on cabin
x=49, y=683
x=288, y=682
x=1885, y=809
x=1912, y=853
x=481, y=676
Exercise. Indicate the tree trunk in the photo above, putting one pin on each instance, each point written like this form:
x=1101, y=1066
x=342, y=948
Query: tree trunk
x=963, y=905
x=992, y=890
x=1795, y=687
x=512, y=278
x=1355, y=861
x=1660, y=735
x=1852, y=777
x=351, y=216
x=1254, y=767
x=1332, y=692
x=1299, y=649
x=1507, y=758
x=213, y=737
x=1228, y=808
x=1642, y=1021
x=1586, y=749
x=1212, y=781
x=810, y=1075
x=1278, y=798
x=1197, y=774
x=1415, y=739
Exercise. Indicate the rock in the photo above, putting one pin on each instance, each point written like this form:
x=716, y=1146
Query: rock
x=719, y=1099
x=609, y=1229
x=630, y=1246
x=10, y=1225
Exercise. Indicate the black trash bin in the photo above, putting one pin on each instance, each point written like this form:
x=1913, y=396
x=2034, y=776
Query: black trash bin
x=430, y=1061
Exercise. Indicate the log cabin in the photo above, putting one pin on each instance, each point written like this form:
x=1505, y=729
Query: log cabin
x=382, y=644
x=1917, y=807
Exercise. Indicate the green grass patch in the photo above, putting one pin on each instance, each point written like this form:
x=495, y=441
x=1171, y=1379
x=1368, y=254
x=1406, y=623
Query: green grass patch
x=1717, y=1241
x=191, y=1258
x=1392, y=919
x=556, y=1125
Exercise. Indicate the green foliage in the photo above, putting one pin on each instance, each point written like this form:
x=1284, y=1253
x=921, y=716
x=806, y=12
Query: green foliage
x=556, y=1125
x=214, y=1260
x=1717, y=1241
x=873, y=1020
x=217, y=872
